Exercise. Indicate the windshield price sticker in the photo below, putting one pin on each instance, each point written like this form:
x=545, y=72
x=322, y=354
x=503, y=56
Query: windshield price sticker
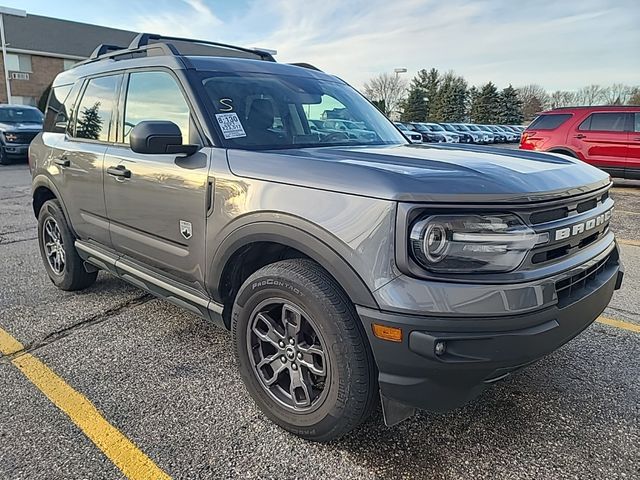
x=230, y=125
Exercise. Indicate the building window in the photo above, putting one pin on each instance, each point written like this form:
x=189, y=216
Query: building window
x=18, y=63
x=20, y=100
x=69, y=63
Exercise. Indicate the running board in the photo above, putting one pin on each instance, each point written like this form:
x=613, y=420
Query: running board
x=147, y=280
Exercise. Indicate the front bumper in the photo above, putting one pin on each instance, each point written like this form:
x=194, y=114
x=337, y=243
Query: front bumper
x=16, y=150
x=478, y=351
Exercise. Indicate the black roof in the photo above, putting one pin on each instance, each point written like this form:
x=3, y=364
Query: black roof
x=63, y=37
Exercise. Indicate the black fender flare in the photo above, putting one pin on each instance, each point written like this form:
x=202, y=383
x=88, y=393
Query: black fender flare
x=42, y=180
x=298, y=234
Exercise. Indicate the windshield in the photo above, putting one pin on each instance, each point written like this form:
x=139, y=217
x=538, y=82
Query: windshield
x=263, y=111
x=402, y=127
x=420, y=128
x=448, y=127
x=20, y=115
x=472, y=128
x=436, y=128
x=464, y=128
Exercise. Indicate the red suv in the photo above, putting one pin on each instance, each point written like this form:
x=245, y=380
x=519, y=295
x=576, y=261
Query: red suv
x=607, y=137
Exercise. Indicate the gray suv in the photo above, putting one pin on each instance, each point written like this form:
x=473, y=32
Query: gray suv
x=348, y=269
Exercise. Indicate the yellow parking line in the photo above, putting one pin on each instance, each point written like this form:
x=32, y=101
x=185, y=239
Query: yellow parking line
x=633, y=327
x=634, y=243
x=626, y=212
x=118, y=448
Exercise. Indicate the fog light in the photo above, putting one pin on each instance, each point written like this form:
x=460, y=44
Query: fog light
x=441, y=347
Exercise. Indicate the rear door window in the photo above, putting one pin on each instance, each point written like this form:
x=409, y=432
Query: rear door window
x=94, y=113
x=636, y=123
x=549, y=121
x=605, y=122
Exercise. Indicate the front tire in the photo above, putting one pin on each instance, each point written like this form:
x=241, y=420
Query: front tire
x=61, y=260
x=4, y=160
x=302, y=351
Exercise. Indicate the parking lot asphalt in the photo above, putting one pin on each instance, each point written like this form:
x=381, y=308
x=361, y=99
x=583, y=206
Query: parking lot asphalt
x=167, y=381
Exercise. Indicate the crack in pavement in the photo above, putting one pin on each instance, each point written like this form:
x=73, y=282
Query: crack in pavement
x=16, y=241
x=65, y=332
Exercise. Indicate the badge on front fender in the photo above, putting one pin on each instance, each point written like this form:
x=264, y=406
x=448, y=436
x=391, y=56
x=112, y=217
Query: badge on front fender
x=186, y=229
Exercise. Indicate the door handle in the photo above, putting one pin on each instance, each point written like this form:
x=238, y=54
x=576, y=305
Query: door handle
x=580, y=135
x=62, y=161
x=119, y=171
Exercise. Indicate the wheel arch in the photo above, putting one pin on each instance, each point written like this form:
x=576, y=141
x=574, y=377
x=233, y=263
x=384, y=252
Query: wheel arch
x=42, y=190
x=290, y=237
x=564, y=151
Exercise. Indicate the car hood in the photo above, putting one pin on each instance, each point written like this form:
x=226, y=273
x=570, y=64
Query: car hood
x=424, y=173
x=20, y=127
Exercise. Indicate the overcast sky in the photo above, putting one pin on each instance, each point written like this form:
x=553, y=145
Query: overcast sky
x=558, y=44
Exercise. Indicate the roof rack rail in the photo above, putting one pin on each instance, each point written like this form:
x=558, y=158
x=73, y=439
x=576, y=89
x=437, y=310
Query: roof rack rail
x=305, y=65
x=104, y=48
x=142, y=40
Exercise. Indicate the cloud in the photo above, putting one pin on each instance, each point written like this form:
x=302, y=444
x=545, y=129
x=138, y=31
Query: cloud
x=542, y=42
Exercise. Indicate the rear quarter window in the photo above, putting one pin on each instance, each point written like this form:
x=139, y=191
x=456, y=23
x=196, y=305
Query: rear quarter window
x=605, y=122
x=59, y=107
x=549, y=121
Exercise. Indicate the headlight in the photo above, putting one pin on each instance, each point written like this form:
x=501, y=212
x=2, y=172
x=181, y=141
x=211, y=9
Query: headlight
x=472, y=243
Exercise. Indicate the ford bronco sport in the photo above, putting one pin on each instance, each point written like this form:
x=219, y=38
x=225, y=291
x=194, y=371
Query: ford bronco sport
x=347, y=268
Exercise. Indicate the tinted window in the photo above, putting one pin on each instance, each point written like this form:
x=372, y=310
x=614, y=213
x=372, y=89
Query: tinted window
x=96, y=108
x=550, y=121
x=608, y=122
x=636, y=124
x=155, y=96
x=59, y=108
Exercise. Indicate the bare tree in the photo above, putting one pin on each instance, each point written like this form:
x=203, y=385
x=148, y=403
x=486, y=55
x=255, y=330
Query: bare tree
x=590, y=95
x=534, y=98
x=634, y=96
x=562, y=98
x=617, y=94
x=386, y=90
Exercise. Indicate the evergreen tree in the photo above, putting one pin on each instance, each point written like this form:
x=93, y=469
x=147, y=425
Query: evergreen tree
x=510, y=107
x=471, y=103
x=415, y=106
x=486, y=108
x=90, y=123
x=428, y=82
x=450, y=103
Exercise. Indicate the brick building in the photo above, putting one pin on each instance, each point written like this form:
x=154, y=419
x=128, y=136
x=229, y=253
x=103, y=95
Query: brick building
x=38, y=48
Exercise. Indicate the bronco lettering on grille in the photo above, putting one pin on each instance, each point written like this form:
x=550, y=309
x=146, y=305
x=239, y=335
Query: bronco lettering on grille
x=582, y=227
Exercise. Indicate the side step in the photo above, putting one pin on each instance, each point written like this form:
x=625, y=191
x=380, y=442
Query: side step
x=148, y=280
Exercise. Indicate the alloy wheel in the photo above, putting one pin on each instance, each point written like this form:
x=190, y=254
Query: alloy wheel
x=53, y=246
x=288, y=355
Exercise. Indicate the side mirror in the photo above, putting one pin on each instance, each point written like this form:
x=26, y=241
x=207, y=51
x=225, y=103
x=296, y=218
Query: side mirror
x=159, y=137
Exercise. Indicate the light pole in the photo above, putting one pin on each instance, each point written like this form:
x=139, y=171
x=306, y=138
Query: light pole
x=398, y=71
x=16, y=13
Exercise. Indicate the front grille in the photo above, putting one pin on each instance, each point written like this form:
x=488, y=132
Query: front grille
x=571, y=227
x=19, y=137
x=577, y=285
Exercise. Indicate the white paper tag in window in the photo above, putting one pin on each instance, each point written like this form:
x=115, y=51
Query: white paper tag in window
x=230, y=125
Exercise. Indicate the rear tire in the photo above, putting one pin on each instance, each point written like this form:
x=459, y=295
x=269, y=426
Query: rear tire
x=61, y=260
x=302, y=351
